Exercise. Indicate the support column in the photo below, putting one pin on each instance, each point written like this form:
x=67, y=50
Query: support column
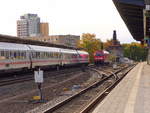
x=146, y=15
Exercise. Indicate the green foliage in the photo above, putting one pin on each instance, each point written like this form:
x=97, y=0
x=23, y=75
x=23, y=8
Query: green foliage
x=90, y=44
x=112, y=58
x=135, y=51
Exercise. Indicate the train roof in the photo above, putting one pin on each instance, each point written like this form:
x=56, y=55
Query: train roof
x=24, y=47
x=106, y=52
x=13, y=46
x=69, y=51
x=44, y=48
x=82, y=52
x=102, y=51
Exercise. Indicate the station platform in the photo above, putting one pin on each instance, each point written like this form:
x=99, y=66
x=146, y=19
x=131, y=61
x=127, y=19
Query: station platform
x=131, y=95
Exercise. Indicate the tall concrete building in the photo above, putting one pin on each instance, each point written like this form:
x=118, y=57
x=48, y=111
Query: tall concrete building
x=44, y=29
x=22, y=28
x=28, y=25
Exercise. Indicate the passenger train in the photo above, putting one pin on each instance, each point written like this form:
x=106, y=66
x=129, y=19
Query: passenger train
x=101, y=57
x=22, y=56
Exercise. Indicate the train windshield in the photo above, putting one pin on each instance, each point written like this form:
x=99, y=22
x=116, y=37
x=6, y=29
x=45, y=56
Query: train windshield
x=99, y=54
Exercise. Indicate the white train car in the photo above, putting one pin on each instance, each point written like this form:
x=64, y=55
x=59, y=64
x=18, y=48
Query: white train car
x=22, y=56
x=14, y=56
x=69, y=57
x=44, y=56
x=83, y=57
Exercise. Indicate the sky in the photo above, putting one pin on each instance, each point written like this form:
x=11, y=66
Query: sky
x=67, y=17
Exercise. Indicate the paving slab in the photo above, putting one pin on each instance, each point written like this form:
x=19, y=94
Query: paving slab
x=131, y=95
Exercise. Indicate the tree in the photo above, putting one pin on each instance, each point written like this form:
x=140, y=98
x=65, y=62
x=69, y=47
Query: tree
x=90, y=44
x=135, y=51
x=108, y=43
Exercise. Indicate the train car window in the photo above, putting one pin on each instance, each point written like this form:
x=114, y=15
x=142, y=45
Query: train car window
x=42, y=55
x=7, y=54
x=49, y=55
x=52, y=55
x=38, y=55
x=46, y=55
x=55, y=55
x=58, y=55
x=99, y=54
x=33, y=54
x=15, y=55
x=2, y=57
x=2, y=53
x=23, y=55
x=18, y=55
x=11, y=55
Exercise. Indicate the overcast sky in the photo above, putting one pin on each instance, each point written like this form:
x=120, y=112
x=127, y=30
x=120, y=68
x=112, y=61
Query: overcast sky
x=67, y=17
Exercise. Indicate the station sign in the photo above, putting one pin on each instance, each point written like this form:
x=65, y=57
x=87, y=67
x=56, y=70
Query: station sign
x=38, y=76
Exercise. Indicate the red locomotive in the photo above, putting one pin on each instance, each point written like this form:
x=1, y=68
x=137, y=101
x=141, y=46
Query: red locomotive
x=100, y=57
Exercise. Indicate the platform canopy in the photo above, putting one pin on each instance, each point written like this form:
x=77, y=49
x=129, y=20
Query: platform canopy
x=131, y=12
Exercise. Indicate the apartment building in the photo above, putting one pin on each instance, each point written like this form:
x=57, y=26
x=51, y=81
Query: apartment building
x=28, y=25
x=44, y=29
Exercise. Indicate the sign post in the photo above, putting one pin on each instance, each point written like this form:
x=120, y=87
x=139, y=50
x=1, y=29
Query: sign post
x=38, y=76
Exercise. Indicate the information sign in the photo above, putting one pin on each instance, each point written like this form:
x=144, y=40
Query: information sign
x=38, y=76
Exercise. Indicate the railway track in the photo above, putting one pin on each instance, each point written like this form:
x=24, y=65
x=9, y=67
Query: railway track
x=87, y=98
x=30, y=76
